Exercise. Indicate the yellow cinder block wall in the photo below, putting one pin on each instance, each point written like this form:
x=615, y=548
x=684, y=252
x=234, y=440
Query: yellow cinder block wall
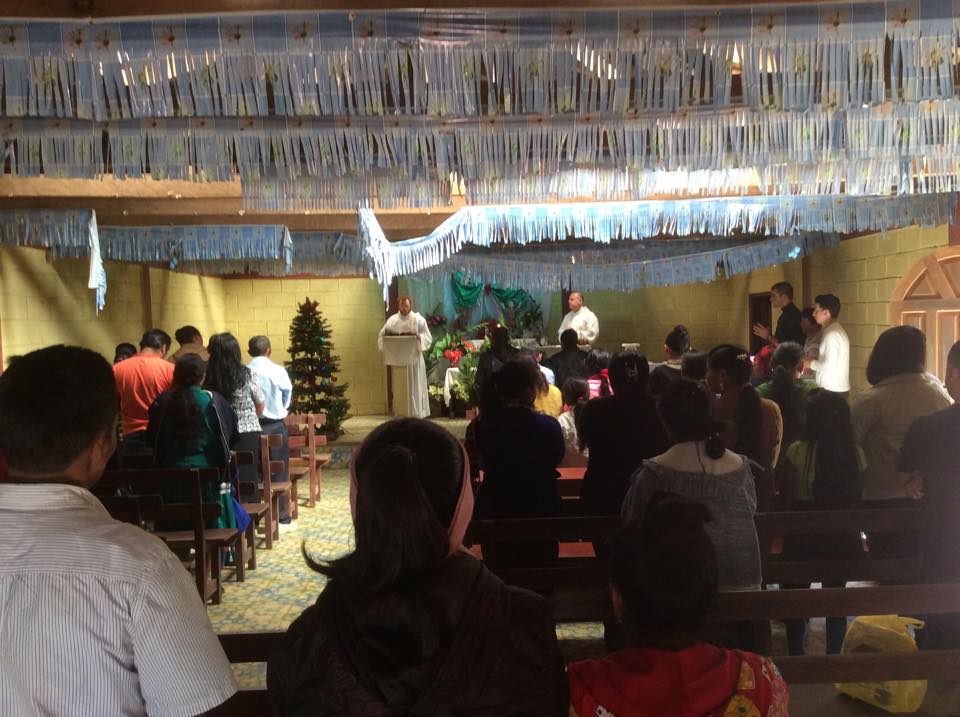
x=352, y=306
x=44, y=302
x=863, y=272
x=714, y=313
x=187, y=299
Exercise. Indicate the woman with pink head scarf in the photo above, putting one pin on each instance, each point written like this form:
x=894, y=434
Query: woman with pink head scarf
x=409, y=623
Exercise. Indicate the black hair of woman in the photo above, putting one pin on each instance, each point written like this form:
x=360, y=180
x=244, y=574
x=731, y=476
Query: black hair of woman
x=409, y=477
x=684, y=410
x=226, y=373
x=665, y=576
x=732, y=365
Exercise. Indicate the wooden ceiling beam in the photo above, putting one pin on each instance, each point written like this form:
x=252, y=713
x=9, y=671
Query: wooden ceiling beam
x=74, y=9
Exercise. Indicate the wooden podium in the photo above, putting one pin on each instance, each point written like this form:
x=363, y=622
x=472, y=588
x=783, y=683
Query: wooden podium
x=399, y=353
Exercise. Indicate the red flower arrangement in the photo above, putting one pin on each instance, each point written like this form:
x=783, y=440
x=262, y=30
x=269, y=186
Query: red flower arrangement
x=453, y=355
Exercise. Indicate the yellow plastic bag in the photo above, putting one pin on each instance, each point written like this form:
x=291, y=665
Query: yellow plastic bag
x=884, y=633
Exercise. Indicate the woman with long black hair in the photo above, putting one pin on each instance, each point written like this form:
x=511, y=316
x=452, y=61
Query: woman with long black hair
x=822, y=472
x=193, y=428
x=409, y=623
x=754, y=426
x=227, y=375
x=790, y=392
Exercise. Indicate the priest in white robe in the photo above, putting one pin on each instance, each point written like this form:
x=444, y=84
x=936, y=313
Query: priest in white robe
x=407, y=322
x=581, y=320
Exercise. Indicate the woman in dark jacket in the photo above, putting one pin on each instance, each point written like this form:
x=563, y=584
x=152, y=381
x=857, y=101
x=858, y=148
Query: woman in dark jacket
x=519, y=448
x=193, y=428
x=620, y=431
x=409, y=623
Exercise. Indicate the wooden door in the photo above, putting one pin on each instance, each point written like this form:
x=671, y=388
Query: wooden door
x=928, y=297
x=760, y=312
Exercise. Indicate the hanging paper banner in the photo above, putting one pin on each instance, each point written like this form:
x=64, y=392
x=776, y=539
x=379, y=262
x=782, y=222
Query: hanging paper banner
x=174, y=244
x=669, y=262
x=298, y=165
x=66, y=233
x=480, y=64
x=320, y=254
x=606, y=222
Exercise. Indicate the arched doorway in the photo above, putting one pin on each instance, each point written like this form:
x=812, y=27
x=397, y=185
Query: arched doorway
x=928, y=297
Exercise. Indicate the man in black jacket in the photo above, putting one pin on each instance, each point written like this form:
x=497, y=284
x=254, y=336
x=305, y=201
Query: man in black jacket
x=788, y=325
x=570, y=361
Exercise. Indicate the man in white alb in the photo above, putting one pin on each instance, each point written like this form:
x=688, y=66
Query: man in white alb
x=407, y=322
x=581, y=320
x=832, y=367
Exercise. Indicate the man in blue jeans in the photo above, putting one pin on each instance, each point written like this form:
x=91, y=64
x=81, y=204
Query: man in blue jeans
x=277, y=389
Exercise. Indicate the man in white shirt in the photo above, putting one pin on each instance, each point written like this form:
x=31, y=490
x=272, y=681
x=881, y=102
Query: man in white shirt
x=97, y=617
x=581, y=320
x=408, y=322
x=832, y=367
x=277, y=389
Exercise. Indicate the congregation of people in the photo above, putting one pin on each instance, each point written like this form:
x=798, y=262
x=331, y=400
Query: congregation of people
x=409, y=622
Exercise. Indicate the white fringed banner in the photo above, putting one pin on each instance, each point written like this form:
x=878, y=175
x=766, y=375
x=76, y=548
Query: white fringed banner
x=664, y=262
x=66, y=233
x=476, y=63
x=320, y=254
x=606, y=222
x=288, y=165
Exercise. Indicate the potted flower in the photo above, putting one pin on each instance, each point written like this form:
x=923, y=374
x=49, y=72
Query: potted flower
x=435, y=393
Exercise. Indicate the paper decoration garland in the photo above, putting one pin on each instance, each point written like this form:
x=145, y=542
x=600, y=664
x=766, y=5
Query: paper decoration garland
x=606, y=222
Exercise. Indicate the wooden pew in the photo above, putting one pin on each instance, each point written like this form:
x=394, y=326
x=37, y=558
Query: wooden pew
x=304, y=443
x=577, y=592
x=774, y=526
x=122, y=489
x=760, y=604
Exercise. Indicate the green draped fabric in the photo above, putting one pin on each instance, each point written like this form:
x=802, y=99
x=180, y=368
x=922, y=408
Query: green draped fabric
x=466, y=295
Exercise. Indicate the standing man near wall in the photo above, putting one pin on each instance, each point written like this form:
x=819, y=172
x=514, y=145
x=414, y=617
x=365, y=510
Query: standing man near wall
x=832, y=368
x=191, y=342
x=581, y=320
x=788, y=325
x=277, y=389
x=140, y=379
x=408, y=322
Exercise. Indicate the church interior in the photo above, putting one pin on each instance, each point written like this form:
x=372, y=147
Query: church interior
x=218, y=163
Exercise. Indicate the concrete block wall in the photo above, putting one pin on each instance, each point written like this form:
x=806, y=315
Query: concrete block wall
x=44, y=302
x=352, y=306
x=863, y=272
x=187, y=299
x=714, y=313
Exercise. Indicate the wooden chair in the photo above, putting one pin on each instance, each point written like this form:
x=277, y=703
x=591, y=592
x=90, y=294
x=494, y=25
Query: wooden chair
x=304, y=444
x=208, y=544
x=271, y=490
x=256, y=510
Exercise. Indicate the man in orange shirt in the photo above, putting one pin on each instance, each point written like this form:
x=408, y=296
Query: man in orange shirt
x=140, y=379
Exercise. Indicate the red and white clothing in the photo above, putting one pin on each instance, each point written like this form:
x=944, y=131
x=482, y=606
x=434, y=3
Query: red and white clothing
x=698, y=681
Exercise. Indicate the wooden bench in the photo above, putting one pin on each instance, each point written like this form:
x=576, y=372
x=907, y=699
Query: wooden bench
x=257, y=510
x=136, y=496
x=773, y=527
x=304, y=443
x=271, y=489
x=760, y=604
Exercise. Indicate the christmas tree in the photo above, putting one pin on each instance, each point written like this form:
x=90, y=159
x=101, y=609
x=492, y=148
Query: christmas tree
x=313, y=368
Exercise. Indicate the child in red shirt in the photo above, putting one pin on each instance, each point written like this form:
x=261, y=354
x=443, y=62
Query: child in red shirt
x=664, y=581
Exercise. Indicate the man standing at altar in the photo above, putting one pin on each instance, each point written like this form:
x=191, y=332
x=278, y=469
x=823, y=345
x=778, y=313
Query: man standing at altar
x=580, y=319
x=407, y=322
